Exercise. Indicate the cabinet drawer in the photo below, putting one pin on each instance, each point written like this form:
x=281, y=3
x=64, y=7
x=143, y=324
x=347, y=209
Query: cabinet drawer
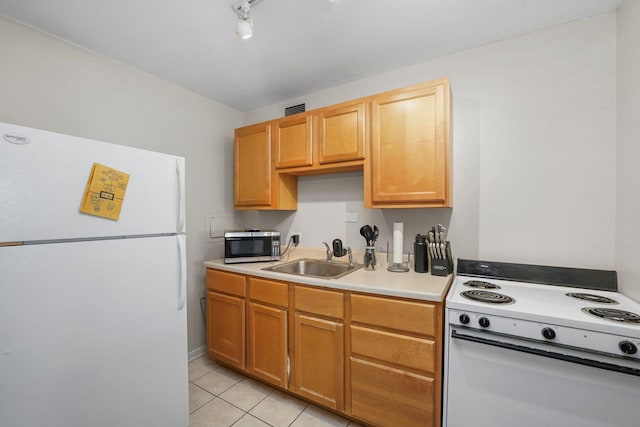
x=268, y=291
x=419, y=318
x=228, y=283
x=320, y=301
x=386, y=396
x=412, y=352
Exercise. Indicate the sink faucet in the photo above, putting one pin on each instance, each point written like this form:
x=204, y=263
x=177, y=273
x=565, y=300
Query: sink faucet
x=329, y=252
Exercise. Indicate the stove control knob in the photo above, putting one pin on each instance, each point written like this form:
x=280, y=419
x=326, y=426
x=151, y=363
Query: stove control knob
x=627, y=347
x=464, y=318
x=484, y=322
x=548, y=333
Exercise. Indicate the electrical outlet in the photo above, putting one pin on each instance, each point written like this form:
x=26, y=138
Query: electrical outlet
x=291, y=236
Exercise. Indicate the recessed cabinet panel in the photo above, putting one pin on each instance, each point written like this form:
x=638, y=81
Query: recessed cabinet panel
x=409, y=316
x=388, y=397
x=409, y=156
x=341, y=133
x=253, y=166
x=226, y=328
x=293, y=142
x=412, y=352
x=319, y=365
x=267, y=343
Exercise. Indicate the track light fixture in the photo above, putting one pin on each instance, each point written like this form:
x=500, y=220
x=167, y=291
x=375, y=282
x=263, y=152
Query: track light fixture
x=244, y=27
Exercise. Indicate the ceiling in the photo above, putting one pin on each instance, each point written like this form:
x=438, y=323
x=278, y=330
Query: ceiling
x=299, y=46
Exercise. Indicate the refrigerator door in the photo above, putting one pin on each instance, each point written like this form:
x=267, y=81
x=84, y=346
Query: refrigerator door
x=42, y=183
x=91, y=334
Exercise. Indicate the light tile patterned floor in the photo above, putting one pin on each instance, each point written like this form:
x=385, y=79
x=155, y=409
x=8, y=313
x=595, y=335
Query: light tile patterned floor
x=220, y=397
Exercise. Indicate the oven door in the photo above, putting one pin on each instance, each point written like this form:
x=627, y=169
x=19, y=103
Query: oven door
x=494, y=381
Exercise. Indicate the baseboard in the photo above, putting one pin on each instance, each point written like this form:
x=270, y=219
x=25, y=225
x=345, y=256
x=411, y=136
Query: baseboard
x=194, y=354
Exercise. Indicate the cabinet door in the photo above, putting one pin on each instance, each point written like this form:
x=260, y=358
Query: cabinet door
x=253, y=166
x=410, y=147
x=341, y=133
x=318, y=364
x=225, y=328
x=293, y=143
x=268, y=343
x=386, y=396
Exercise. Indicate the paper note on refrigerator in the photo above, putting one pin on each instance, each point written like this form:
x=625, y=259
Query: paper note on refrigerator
x=105, y=191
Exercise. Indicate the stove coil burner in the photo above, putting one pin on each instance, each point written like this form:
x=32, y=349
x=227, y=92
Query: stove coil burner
x=592, y=298
x=479, y=284
x=613, y=314
x=487, y=296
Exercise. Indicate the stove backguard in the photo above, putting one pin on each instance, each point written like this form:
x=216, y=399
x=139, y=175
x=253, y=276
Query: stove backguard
x=603, y=280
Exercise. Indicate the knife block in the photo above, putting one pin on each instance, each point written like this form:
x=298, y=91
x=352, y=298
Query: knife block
x=442, y=266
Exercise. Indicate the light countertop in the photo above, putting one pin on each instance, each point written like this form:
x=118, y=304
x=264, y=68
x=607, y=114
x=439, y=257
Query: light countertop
x=421, y=286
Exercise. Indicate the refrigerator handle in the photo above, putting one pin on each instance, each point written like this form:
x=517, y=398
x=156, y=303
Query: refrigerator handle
x=180, y=169
x=182, y=284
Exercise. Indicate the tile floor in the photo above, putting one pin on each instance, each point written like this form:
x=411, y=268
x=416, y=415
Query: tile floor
x=220, y=397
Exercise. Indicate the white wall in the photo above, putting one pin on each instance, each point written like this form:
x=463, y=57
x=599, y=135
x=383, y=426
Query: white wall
x=534, y=130
x=628, y=173
x=49, y=84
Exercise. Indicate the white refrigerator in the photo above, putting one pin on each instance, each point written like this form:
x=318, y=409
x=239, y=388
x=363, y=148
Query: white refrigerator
x=92, y=310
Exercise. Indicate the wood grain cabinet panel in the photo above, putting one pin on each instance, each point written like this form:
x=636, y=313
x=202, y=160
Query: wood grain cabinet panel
x=269, y=291
x=228, y=283
x=409, y=316
x=267, y=343
x=226, y=328
x=341, y=133
x=411, y=352
x=385, y=396
x=257, y=186
x=319, y=360
x=410, y=159
x=293, y=141
x=226, y=317
x=320, y=301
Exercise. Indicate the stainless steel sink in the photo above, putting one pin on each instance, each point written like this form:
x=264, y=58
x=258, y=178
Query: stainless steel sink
x=314, y=268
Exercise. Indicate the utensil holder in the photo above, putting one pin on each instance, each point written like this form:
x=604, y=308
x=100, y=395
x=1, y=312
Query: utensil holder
x=370, y=257
x=443, y=266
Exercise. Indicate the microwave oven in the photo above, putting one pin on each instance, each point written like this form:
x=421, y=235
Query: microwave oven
x=251, y=246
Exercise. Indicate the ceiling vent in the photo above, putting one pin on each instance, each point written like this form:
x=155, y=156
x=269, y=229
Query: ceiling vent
x=294, y=109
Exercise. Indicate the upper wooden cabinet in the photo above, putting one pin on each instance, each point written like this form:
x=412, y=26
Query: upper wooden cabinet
x=400, y=138
x=256, y=184
x=327, y=140
x=409, y=162
x=293, y=142
x=341, y=132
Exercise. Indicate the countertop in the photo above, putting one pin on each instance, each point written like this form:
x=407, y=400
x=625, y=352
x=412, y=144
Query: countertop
x=420, y=286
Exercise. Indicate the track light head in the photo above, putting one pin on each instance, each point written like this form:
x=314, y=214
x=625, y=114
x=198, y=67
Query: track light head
x=244, y=27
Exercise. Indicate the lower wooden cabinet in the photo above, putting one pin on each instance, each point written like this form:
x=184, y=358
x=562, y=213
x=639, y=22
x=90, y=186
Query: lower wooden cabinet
x=319, y=355
x=267, y=331
x=395, y=361
x=376, y=359
x=386, y=396
x=267, y=343
x=226, y=328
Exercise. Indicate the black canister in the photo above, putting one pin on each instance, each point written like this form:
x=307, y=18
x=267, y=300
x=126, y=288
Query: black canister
x=420, y=253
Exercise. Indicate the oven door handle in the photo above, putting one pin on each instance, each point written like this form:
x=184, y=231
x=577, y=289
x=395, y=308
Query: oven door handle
x=552, y=355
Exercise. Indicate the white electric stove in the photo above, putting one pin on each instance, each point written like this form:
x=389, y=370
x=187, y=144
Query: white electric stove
x=536, y=345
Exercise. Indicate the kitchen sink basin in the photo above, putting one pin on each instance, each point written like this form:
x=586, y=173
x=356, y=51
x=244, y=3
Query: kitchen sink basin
x=314, y=268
